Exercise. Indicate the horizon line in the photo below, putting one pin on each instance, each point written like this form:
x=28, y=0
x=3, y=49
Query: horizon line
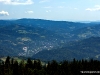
x=82, y=21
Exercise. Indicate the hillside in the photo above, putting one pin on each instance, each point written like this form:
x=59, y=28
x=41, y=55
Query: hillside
x=86, y=32
x=84, y=49
x=13, y=38
x=62, y=28
x=27, y=37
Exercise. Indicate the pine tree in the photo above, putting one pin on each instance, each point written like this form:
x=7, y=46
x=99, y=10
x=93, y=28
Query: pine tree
x=15, y=68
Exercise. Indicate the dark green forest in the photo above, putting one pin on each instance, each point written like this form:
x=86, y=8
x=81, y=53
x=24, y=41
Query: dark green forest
x=75, y=67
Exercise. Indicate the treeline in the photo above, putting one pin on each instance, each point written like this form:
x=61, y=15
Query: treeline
x=75, y=67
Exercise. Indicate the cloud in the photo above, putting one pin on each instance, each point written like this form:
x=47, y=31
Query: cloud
x=76, y=8
x=48, y=7
x=48, y=11
x=96, y=8
x=60, y=6
x=43, y=1
x=17, y=2
x=4, y=13
x=29, y=12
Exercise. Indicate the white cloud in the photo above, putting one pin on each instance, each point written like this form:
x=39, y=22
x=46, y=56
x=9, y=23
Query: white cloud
x=76, y=8
x=48, y=11
x=48, y=7
x=29, y=12
x=96, y=8
x=17, y=2
x=4, y=13
x=60, y=6
x=43, y=1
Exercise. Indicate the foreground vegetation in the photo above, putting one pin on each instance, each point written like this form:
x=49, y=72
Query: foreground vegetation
x=75, y=67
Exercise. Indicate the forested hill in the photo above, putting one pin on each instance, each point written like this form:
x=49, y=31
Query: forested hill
x=29, y=37
x=15, y=37
x=84, y=49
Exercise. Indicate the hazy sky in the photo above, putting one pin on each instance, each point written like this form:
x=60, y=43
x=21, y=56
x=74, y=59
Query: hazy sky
x=68, y=10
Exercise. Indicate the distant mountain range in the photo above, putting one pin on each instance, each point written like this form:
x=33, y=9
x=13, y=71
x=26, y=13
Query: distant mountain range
x=47, y=40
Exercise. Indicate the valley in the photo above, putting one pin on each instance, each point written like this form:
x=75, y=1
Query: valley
x=48, y=40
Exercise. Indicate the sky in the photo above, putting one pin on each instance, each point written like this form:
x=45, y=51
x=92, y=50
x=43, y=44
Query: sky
x=63, y=10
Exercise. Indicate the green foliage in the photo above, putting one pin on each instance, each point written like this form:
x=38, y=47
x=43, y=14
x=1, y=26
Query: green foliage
x=7, y=60
x=53, y=67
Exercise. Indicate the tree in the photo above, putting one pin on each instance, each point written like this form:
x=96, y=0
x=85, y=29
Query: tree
x=7, y=62
x=37, y=65
x=21, y=68
x=15, y=68
x=29, y=63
